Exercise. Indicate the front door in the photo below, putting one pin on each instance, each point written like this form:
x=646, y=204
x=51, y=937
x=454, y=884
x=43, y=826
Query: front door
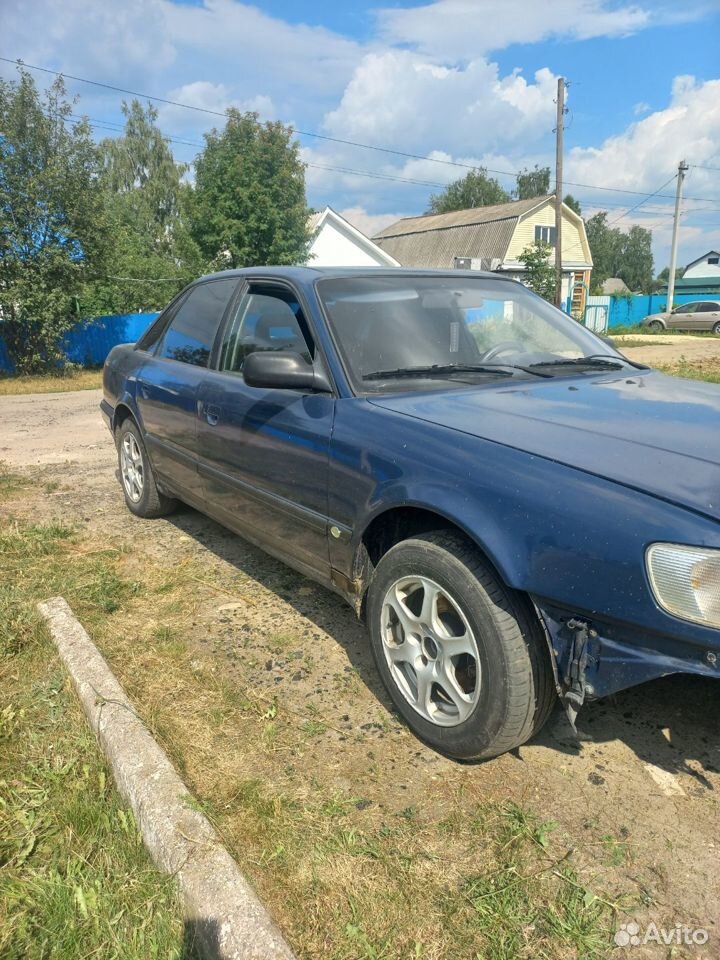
x=168, y=383
x=683, y=318
x=264, y=452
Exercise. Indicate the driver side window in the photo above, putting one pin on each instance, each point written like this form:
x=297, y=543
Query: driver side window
x=264, y=319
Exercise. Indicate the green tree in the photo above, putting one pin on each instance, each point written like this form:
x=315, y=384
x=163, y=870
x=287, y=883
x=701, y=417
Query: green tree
x=661, y=281
x=147, y=201
x=533, y=183
x=248, y=207
x=539, y=272
x=475, y=189
x=570, y=201
x=618, y=254
x=53, y=228
x=604, y=242
x=635, y=260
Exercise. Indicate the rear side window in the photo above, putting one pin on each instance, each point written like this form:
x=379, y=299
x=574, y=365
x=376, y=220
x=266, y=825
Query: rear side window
x=191, y=333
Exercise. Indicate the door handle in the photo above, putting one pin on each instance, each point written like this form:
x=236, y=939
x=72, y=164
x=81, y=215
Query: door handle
x=212, y=414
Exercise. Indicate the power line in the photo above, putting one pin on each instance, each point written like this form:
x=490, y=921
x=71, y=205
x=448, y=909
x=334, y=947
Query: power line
x=322, y=136
x=100, y=124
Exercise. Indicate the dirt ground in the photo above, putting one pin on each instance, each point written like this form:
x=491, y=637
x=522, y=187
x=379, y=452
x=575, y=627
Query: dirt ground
x=662, y=350
x=647, y=771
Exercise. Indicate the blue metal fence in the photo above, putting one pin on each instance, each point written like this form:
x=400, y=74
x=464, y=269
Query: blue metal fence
x=629, y=311
x=90, y=342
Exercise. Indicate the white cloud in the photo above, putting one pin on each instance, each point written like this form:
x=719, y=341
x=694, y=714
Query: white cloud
x=369, y=223
x=647, y=154
x=206, y=95
x=402, y=97
x=462, y=29
x=640, y=108
x=648, y=151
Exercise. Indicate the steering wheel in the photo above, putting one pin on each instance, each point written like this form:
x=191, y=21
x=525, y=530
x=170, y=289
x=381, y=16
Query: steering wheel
x=503, y=347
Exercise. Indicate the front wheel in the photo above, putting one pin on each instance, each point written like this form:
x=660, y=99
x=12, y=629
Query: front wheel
x=136, y=475
x=462, y=656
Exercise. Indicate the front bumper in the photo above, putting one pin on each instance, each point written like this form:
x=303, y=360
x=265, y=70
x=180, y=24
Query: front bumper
x=598, y=658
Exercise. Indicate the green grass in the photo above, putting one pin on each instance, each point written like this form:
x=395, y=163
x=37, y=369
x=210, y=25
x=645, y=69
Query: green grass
x=75, y=880
x=636, y=328
x=707, y=370
x=628, y=342
x=51, y=382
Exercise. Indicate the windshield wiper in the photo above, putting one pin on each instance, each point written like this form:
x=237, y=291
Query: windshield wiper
x=436, y=369
x=612, y=363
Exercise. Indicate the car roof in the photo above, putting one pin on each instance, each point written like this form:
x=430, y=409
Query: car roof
x=310, y=274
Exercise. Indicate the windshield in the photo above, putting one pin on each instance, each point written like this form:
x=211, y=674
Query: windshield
x=438, y=329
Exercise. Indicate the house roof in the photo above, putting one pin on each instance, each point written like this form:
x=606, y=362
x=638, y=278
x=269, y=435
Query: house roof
x=461, y=218
x=434, y=240
x=696, y=285
x=710, y=253
x=614, y=285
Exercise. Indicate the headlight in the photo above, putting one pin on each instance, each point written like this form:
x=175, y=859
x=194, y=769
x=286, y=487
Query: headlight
x=686, y=581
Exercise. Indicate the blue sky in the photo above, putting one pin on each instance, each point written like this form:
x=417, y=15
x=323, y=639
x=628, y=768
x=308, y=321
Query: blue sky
x=464, y=81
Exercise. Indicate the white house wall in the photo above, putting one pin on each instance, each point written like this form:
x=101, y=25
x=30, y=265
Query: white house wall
x=332, y=247
x=702, y=269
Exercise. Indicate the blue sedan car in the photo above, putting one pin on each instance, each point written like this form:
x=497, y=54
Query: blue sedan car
x=516, y=510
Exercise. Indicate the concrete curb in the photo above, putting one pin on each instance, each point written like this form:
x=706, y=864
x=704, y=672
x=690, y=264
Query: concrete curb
x=228, y=919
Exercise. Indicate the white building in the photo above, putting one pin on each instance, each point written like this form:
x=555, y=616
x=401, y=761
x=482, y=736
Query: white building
x=337, y=243
x=708, y=265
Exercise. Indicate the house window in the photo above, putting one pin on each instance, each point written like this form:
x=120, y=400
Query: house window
x=546, y=235
x=714, y=260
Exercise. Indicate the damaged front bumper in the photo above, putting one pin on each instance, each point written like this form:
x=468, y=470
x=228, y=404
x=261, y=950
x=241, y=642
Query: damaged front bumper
x=594, y=658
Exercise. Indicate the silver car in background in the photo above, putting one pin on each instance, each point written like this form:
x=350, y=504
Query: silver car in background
x=697, y=315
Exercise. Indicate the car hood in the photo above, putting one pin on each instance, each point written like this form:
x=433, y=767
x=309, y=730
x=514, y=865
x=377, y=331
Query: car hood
x=653, y=432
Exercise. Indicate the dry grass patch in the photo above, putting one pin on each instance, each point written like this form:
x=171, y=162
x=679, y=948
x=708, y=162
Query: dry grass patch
x=707, y=370
x=309, y=804
x=51, y=382
x=343, y=871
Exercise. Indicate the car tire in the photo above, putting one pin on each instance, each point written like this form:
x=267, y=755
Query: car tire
x=656, y=325
x=136, y=475
x=435, y=605
x=716, y=329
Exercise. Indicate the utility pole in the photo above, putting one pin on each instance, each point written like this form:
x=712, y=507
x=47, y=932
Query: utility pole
x=682, y=170
x=558, y=188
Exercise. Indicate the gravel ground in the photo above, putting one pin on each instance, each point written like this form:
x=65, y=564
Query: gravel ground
x=647, y=769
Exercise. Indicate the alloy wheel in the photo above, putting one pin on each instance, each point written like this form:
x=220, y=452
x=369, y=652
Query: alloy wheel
x=430, y=650
x=131, y=467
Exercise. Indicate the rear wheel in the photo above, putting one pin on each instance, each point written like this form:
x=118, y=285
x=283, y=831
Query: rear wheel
x=136, y=476
x=716, y=328
x=461, y=655
x=656, y=325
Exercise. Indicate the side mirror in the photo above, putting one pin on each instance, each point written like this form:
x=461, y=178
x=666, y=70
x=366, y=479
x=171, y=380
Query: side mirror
x=283, y=371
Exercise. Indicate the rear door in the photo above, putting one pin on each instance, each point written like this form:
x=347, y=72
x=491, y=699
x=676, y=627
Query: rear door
x=169, y=380
x=264, y=452
x=708, y=314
